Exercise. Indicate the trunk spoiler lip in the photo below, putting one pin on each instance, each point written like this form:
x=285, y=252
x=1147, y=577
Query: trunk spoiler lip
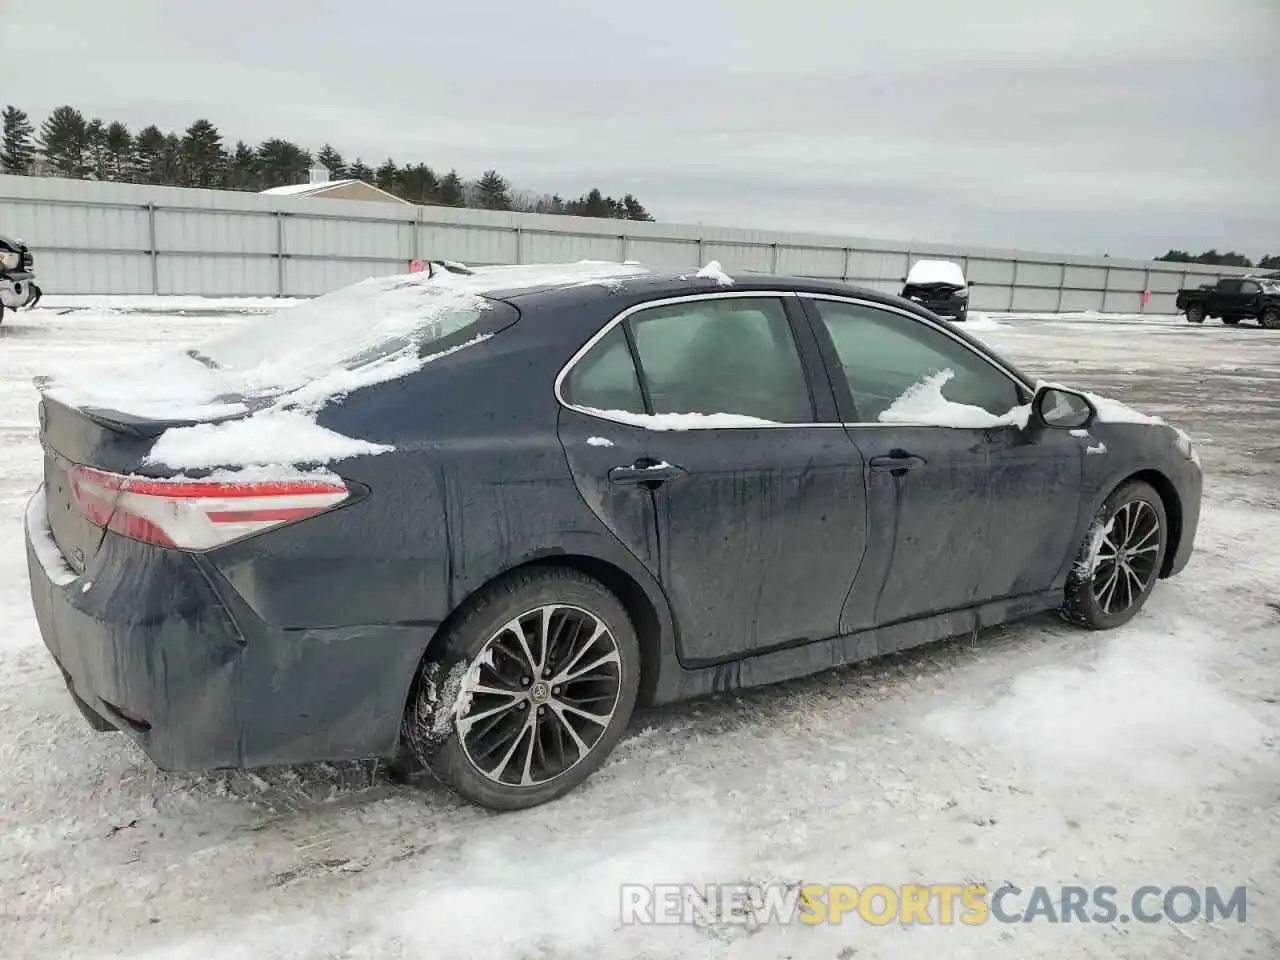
x=147, y=428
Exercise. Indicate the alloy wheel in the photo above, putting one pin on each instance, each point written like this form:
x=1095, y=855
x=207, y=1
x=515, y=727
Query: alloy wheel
x=539, y=695
x=1127, y=554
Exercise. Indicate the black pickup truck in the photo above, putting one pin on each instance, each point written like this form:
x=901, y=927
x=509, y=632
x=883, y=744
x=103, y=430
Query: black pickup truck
x=1234, y=299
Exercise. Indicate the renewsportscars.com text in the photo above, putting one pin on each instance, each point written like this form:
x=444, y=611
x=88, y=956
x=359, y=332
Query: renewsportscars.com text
x=925, y=904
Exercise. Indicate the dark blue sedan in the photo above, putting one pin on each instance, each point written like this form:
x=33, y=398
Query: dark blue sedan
x=470, y=518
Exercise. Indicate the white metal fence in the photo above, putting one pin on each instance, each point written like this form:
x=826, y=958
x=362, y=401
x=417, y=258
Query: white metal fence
x=110, y=238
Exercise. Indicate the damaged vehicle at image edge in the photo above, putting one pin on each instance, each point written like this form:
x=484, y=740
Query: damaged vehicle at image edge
x=470, y=520
x=18, y=286
x=940, y=287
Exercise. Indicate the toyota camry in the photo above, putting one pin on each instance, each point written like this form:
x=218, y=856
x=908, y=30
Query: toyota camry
x=470, y=518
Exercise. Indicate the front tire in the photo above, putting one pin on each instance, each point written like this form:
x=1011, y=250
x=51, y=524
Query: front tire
x=528, y=692
x=1120, y=559
x=1270, y=319
x=1195, y=313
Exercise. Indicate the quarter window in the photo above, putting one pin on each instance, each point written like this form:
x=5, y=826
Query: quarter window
x=722, y=355
x=605, y=377
x=884, y=354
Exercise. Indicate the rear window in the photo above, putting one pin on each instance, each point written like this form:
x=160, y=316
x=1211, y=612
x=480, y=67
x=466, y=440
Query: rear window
x=365, y=323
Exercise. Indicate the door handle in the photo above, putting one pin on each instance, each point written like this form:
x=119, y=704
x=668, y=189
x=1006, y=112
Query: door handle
x=897, y=463
x=646, y=471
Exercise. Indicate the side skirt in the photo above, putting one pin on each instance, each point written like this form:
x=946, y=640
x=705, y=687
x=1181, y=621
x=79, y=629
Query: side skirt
x=779, y=665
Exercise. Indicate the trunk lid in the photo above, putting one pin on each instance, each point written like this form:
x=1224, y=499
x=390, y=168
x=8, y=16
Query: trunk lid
x=109, y=418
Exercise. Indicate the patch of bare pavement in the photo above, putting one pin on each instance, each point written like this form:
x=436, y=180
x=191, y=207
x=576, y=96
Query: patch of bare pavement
x=1033, y=754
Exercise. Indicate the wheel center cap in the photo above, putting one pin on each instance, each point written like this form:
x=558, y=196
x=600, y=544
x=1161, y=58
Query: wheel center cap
x=540, y=692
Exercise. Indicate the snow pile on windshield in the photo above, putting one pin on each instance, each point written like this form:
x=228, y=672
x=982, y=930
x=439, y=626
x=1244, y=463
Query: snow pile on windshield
x=936, y=271
x=923, y=403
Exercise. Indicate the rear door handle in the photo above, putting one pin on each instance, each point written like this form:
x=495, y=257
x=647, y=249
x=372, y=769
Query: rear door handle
x=647, y=471
x=897, y=463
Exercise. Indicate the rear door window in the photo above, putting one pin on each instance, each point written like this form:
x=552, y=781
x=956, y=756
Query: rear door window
x=723, y=355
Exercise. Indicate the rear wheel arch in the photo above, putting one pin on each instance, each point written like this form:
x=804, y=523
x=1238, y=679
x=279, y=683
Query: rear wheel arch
x=638, y=604
x=653, y=626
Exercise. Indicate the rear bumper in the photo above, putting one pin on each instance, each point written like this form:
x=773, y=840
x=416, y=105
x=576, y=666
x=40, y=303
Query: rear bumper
x=154, y=643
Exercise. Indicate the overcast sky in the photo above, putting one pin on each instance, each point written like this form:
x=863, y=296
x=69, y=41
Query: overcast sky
x=1082, y=126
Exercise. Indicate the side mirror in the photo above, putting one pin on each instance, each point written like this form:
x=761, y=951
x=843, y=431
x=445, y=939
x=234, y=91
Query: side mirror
x=1058, y=408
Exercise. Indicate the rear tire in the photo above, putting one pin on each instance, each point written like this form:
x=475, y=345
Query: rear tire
x=1120, y=559
x=1270, y=319
x=524, y=697
x=1195, y=313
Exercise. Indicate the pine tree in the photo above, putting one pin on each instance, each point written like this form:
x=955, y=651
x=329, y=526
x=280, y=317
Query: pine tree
x=332, y=159
x=18, y=151
x=632, y=209
x=242, y=169
x=361, y=171
x=493, y=192
x=203, y=159
x=282, y=163
x=119, y=149
x=96, y=139
x=387, y=176
x=64, y=141
x=173, y=169
x=418, y=184
x=450, y=192
x=592, y=204
x=148, y=155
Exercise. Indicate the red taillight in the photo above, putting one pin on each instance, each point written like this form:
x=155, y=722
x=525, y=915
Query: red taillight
x=197, y=514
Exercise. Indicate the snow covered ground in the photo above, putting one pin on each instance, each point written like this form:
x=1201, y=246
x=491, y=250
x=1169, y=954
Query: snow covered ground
x=1035, y=754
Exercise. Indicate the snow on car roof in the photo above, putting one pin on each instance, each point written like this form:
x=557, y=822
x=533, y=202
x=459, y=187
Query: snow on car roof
x=936, y=271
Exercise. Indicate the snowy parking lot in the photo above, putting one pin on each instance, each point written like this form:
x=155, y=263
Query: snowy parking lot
x=1035, y=754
